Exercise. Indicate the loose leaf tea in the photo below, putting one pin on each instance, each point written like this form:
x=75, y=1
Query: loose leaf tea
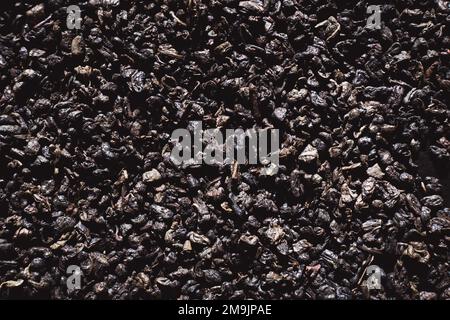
x=93, y=207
